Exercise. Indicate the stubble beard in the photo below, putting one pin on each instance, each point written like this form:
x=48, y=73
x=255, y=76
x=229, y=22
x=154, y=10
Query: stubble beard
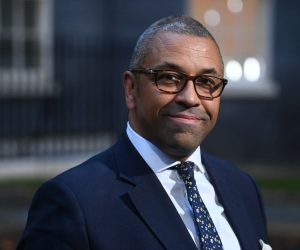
x=180, y=143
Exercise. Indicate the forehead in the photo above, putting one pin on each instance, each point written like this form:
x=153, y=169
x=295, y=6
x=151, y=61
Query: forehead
x=191, y=52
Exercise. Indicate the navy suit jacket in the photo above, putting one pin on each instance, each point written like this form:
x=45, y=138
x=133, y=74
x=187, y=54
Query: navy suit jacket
x=115, y=201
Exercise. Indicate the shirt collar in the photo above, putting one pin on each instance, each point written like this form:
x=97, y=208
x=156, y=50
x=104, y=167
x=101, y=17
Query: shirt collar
x=157, y=160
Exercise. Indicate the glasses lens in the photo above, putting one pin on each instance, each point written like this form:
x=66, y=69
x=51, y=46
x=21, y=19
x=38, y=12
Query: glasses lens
x=208, y=86
x=170, y=81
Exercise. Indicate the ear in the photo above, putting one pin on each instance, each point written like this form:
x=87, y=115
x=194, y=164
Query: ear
x=129, y=84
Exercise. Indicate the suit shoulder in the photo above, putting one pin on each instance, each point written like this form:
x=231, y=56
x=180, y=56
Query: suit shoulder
x=226, y=168
x=97, y=169
x=212, y=159
x=226, y=172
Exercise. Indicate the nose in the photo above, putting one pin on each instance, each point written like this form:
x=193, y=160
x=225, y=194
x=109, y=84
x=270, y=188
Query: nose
x=188, y=96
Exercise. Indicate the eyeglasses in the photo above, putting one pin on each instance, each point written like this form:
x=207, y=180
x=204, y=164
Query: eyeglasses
x=206, y=86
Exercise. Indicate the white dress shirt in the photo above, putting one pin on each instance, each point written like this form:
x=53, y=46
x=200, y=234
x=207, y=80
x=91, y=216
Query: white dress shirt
x=160, y=163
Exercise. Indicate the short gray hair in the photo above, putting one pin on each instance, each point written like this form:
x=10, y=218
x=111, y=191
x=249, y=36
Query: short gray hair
x=176, y=24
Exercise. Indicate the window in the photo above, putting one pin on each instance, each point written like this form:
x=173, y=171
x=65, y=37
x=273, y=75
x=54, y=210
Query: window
x=243, y=30
x=25, y=47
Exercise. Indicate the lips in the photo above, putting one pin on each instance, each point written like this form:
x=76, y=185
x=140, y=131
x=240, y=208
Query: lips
x=195, y=115
x=188, y=117
x=182, y=115
x=185, y=116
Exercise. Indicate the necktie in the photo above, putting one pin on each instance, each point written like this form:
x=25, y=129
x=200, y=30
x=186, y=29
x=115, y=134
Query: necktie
x=208, y=235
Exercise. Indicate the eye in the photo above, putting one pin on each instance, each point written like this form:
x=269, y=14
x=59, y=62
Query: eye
x=169, y=77
x=206, y=81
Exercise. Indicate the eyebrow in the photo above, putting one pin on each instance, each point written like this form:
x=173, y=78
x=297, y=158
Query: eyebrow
x=173, y=66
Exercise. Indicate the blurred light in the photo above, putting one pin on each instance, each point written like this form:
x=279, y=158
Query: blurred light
x=212, y=17
x=235, y=6
x=252, y=69
x=233, y=70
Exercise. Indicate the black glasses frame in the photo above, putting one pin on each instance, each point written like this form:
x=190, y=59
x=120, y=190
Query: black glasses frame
x=155, y=72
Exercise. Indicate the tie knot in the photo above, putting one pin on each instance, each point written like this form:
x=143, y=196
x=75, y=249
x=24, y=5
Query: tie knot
x=186, y=170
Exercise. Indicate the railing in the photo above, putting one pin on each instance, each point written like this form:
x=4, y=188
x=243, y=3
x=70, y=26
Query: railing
x=83, y=105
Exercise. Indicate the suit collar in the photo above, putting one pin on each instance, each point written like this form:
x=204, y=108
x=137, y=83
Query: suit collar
x=156, y=159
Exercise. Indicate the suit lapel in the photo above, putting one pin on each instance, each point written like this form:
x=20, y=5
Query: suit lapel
x=231, y=198
x=150, y=199
x=158, y=212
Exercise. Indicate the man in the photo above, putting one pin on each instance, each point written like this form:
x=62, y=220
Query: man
x=155, y=189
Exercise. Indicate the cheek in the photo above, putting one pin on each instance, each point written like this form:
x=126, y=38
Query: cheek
x=212, y=108
x=154, y=101
x=154, y=108
x=148, y=106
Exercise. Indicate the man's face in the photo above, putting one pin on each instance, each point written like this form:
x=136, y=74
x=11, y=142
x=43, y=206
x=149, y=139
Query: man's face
x=175, y=123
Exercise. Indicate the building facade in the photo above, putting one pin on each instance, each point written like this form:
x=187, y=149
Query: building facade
x=61, y=76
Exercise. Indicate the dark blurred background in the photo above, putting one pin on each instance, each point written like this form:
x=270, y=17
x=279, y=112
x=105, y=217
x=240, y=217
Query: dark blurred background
x=61, y=97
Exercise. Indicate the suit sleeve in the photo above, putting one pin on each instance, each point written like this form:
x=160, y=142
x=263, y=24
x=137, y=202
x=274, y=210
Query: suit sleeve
x=55, y=220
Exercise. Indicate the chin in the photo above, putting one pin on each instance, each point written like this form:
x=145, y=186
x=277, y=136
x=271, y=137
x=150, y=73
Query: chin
x=192, y=140
x=180, y=154
x=182, y=146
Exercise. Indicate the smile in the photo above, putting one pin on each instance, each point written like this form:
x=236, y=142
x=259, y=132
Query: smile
x=185, y=118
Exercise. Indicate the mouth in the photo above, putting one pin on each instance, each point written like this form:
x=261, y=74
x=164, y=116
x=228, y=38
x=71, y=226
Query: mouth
x=186, y=118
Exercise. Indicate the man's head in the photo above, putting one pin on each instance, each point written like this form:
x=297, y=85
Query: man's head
x=174, y=110
x=184, y=25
